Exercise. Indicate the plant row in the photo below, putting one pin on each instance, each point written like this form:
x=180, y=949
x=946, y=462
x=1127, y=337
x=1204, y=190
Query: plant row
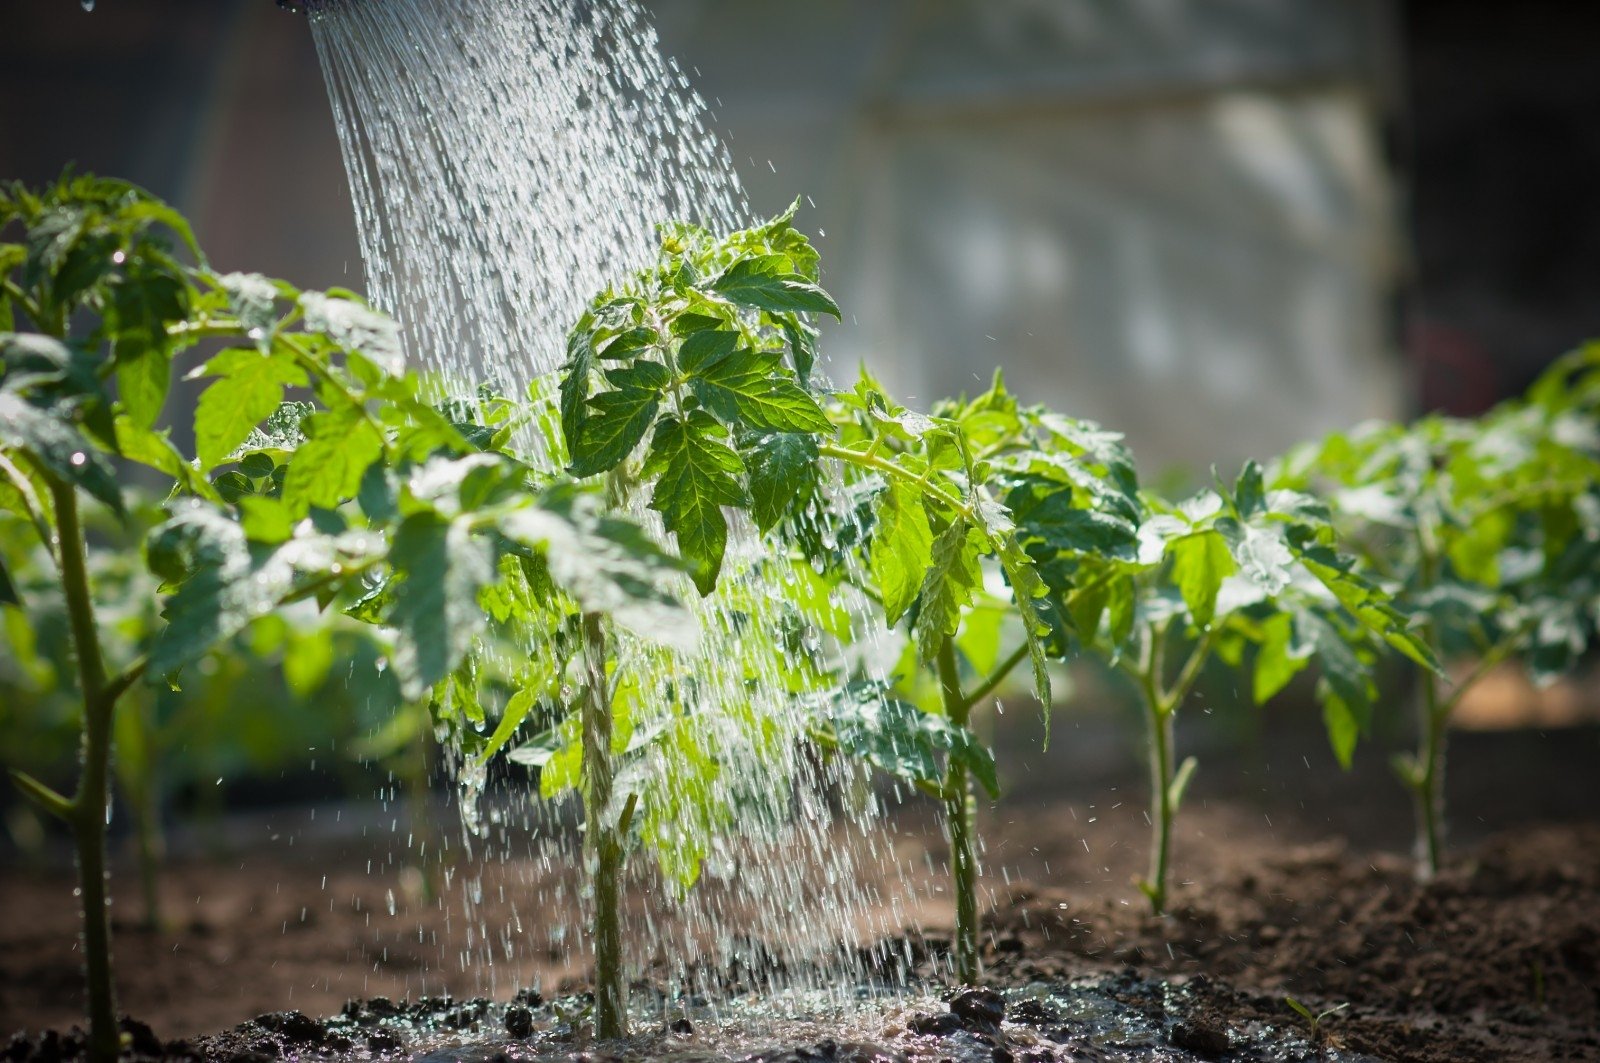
x=529, y=604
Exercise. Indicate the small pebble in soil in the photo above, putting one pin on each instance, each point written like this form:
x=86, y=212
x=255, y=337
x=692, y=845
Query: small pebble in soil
x=294, y=1026
x=938, y=1025
x=519, y=1021
x=979, y=1008
x=383, y=1041
x=1200, y=1037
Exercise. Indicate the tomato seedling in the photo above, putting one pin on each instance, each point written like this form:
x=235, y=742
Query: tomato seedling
x=365, y=497
x=1489, y=529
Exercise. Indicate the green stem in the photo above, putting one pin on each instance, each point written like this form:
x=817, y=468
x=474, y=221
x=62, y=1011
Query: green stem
x=1155, y=886
x=31, y=308
x=1161, y=705
x=1428, y=790
x=996, y=677
x=319, y=369
x=1190, y=672
x=868, y=460
x=959, y=805
x=91, y=802
x=605, y=847
x=1428, y=795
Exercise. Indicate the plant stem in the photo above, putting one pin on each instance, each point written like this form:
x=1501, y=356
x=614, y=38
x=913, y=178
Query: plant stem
x=959, y=805
x=1162, y=705
x=868, y=460
x=90, y=804
x=1161, y=809
x=998, y=676
x=1428, y=794
x=605, y=847
x=1428, y=784
x=1433, y=724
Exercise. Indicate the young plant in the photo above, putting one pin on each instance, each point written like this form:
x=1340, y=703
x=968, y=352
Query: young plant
x=255, y=708
x=1158, y=591
x=688, y=391
x=1314, y=1019
x=927, y=529
x=263, y=515
x=1489, y=529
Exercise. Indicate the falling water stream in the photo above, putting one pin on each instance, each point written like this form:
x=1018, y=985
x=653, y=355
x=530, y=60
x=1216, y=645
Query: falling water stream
x=508, y=159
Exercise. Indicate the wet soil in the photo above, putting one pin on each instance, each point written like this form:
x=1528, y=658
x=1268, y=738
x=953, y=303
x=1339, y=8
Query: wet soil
x=1497, y=959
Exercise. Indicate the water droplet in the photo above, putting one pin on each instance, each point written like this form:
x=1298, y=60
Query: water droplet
x=79, y=457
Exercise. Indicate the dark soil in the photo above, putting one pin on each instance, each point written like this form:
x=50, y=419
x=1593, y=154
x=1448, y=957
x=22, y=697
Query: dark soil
x=1497, y=959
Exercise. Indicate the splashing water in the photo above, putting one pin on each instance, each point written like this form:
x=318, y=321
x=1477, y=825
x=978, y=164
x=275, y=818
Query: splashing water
x=508, y=159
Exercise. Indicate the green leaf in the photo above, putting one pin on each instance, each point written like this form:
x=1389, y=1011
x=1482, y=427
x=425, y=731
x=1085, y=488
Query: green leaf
x=307, y=662
x=616, y=423
x=325, y=470
x=1368, y=603
x=156, y=450
x=783, y=469
x=608, y=565
x=58, y=447
x=768, y=282
x=265, y=520
x=248, y=391
x=516, y=710
x=1200, y=562
x=141, y=307
x=706, y=348
x=1249, y=492
x=628, y=344
x=1027, y=589
x=253, y=300
x=695, y=477
x=746, y=387
x=948, y=587
x=8, y=587
x=802, y=347
x=1475, y=552
x=898, y=738
x=1345, y=689
x=142, y=381
x=357, y=327
x=1344, y=721
x=440, y=566
x=1280, y=658
x=223, y=587
x=575, y=381
x=902, y=545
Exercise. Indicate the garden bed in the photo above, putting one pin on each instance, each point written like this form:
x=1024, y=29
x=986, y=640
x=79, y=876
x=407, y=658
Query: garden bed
x=1497, y=959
